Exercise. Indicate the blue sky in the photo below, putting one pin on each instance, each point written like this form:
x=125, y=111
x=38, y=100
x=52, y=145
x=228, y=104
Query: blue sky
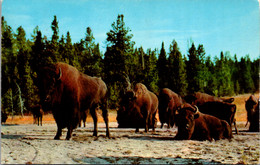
x=220, y=25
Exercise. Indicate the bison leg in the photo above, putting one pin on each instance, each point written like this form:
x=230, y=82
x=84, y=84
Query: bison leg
x=40, y=120
x=94, y=116
x=70, y=129
x=235, y=125
x=146, y=123
x=105, y=117
x=58, y=134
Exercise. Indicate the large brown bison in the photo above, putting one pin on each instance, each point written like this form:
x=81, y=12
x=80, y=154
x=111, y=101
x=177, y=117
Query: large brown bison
x=140, y=106
x=169, y=102
x=68, y=92
x=221, y=110
x=195, y=125
x=37, y=114
x=252, y=108
x=199, y=98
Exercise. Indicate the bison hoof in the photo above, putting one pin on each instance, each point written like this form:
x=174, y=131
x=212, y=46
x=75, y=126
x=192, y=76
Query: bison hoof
x=94, y=134
x=67, y=138
x=56, y=138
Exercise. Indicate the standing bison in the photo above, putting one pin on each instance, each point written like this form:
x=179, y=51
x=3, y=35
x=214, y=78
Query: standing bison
x=140, y=106
x=68, y=93
x=37, y=114
x=199, y=98
x=252, y=108
x=169, y=101
x=195, y=125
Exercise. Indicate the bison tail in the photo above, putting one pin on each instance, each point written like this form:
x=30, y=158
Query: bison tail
x=227, y=130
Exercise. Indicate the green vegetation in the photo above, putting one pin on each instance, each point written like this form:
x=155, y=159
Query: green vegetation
x=22, y=59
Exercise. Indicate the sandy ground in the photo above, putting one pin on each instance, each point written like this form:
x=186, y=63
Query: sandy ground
x=22, y=142
x=28, y=143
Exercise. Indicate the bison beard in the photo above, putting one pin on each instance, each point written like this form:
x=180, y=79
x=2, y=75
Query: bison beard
x=68, y=93
x=198, y=126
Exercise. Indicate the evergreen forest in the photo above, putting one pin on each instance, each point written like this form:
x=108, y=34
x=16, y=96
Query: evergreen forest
x=22, y=57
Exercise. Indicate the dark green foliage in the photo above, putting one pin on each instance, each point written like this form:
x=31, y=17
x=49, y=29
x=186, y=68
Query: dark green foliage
x=117, y=56
x=162, y=68
x=176, y=70
x=192, y=67
x=22, y=59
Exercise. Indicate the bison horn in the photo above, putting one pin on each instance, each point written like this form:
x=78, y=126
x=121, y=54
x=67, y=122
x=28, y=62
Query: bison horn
x=60, y=74
x=196, y=109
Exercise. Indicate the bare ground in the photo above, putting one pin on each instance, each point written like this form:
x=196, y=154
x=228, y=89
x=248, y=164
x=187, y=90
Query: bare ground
x=29, y=143
x=22, y=142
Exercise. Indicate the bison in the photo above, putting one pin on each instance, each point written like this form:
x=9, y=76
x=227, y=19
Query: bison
x=199, y=98
x=221, y=110
x=169, y=101
x=140, y=106
x=37, y=114
x=4, y=116
x=68, y=92
x=252, y=108
x=195, y=125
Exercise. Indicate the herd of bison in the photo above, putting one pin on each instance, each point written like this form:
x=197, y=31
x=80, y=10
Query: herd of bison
x=71, y=94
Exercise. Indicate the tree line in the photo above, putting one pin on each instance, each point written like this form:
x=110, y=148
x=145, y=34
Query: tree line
x=183, y=73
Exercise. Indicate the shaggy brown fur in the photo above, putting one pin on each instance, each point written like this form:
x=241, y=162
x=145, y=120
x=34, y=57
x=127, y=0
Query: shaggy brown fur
x=169, y=102
x=67, y=92
x=140, y=105
x=252, y=108
x=198, y=126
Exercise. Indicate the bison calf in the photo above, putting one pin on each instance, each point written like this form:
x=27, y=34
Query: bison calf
x=195, y=125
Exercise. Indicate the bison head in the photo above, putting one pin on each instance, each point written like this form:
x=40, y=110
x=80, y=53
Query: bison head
x=185, y=120
x=50, y=84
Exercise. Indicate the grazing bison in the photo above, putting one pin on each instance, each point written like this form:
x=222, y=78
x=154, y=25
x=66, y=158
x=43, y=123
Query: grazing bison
x=37, y=114
x=4, y=116
x=195, y=125
x=199, y=98
x=169, y=101
x=140, y=106
x=221, y=110
x=68, y=92
x=252, y=108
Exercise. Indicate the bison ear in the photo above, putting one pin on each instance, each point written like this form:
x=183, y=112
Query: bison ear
x=59, y=75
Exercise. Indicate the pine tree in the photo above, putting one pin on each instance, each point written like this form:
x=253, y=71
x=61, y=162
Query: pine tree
x=176, y=70
x=24, y=70
x=246, y=81
x=162, y=68
x=118, y=55
x=223, y=73
x=52, y=51
x=9, y=67
x=192, y=69
x=202, y=70
x=151, y=74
